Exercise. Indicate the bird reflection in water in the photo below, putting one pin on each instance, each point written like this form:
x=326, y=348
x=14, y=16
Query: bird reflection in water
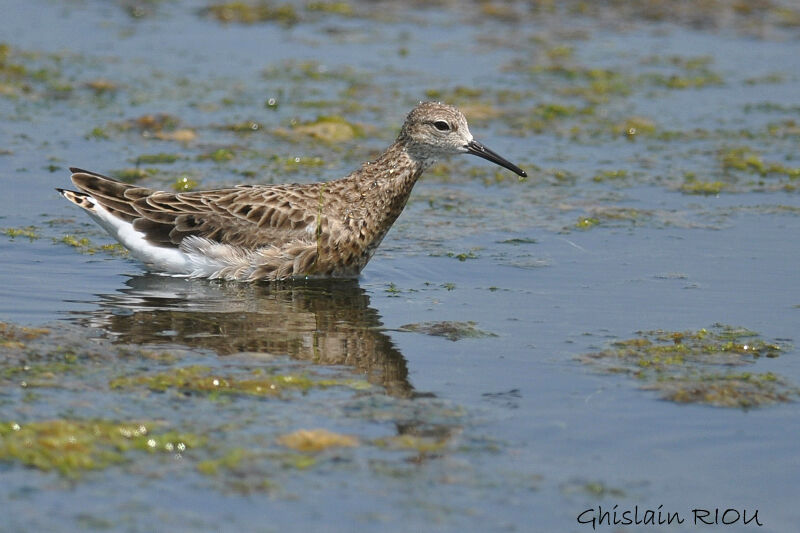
x=322, y=322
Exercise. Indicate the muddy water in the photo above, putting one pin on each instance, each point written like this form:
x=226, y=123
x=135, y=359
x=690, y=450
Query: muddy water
x=492, y=368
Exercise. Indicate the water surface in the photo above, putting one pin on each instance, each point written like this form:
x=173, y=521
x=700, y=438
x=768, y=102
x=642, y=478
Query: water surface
x=662, y=153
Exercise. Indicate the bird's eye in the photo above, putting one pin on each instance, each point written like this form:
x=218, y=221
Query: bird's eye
x=441, y=125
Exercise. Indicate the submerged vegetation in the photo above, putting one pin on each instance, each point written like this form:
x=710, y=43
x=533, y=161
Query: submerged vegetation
x=617, y=138
x=71, y=447
x=202, y=379
x=699, y=366
x=450, y=330
x=254, y=12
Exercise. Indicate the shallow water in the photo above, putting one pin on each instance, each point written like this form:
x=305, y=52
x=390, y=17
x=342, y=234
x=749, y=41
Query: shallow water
x=617, y=115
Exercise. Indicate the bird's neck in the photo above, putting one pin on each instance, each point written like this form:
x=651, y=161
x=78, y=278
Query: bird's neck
x=384, y=186
x=397, y=169
x=386, y=182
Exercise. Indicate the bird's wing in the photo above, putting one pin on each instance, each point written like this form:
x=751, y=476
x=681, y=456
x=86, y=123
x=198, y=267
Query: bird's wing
x=245, y=216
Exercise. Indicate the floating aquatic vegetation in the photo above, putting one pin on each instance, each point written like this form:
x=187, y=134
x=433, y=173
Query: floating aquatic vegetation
x=253, y=12
x=306, y=71
x=696, y=366
x=518, y=241
x=692, y=185
x=751, y=18
x=203, y=379
x=29, y=232
x=71, y=447
x=229, y=461
x=85, y=246
x=161, y=126
x=295, y=164
x=185, y=183
x=102, y=86
x=13, y=336
x=335, y=8
x=587, y=222
x=331, y=129
x=30, y=75
x=450, y=330
x=594, y=489
x=247, y=126
x=182, y=135
x=157, y=159
x=220, y=155
x=610, y=175
x=98, y=133
x=316, y=440
x=611, y=215
x=747, y=160
x=676, y=81
x=418, y=443
x=132, y=175
x=463, y=256
x=83, y=243
x=633, y=127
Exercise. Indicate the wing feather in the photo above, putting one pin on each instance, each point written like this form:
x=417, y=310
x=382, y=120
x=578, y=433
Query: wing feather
x=250, y=216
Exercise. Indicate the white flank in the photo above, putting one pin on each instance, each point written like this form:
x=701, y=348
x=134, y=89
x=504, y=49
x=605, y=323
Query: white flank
x=210, y=259
x=160, y=258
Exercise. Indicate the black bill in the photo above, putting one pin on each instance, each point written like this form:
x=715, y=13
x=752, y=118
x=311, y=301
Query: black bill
x=476, y=148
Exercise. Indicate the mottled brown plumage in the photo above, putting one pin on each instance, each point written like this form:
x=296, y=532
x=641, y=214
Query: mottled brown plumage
x=270, y=232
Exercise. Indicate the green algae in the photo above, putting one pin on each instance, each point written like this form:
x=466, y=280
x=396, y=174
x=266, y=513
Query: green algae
x=29, y=232
x=587, y=222
x=331, y=129
x=30, y=75
x=40, y=374
x=229, y=461
x=132, y=175
x=550, y=112
x=393, y=290
x=184, y=183
x=692, y=185
x=742, y=389
x=149, y=125
x=695, y=81
x=13, y=336
x=463, y=256
x=296, y=461
x=157, y=159
x=612, y=216
x=102, y=86
x=316, y=440
x=310, y=71
x=333, y=8
x=749, y=161
x=594, y=489
x=696, y=366
x=448, y=329
x=72, y=447
x=83, y=243
x=416, y=443
x=247, y=126
x=295, y=164
x=98, y=133
x=203, y=379
x=518, y=241
x=220, y=155
x=253, y=13
x=85, y=246
x=610, y=175
x=633, y=127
